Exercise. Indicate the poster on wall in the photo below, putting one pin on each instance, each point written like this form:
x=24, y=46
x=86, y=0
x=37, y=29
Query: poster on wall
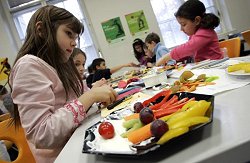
x=113, y=30
x=137, y=23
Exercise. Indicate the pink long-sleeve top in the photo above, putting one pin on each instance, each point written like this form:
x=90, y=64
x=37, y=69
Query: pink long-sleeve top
x=47, y=118
x=202, y=45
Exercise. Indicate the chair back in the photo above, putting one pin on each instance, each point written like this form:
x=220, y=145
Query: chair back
x=246, y=36
x=4, y=116
x=17, y=136
x=232, y=45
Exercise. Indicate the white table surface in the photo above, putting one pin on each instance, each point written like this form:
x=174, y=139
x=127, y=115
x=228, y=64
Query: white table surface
x=227, y=139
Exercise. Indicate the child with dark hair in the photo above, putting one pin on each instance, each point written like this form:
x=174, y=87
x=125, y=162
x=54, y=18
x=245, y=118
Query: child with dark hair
x=89, y=78
x=79, y=59
x=47, y=90
x=203, y=41
x=102, y=72
x=150, y=55
x=153, y=43
x=139, y=52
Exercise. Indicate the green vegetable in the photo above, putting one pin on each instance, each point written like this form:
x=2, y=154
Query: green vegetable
x=135, y=127
x=130, y=123
x=211, y=78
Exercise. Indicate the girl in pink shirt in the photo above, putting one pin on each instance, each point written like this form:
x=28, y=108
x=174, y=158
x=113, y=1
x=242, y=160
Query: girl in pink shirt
x=203, y=41
x=47, y=90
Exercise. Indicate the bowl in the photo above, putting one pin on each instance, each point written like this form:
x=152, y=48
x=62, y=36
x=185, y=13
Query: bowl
x=154, y=79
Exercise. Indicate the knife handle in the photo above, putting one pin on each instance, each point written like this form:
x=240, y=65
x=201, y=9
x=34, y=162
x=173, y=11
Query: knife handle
x=114, y=104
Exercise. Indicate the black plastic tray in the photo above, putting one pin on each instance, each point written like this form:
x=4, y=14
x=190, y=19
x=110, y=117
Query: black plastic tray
x=140, y=150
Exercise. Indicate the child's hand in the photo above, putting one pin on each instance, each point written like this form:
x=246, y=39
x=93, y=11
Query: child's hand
x=149, y=64
x=104, y=94
x=100, y=83
x=163, y=60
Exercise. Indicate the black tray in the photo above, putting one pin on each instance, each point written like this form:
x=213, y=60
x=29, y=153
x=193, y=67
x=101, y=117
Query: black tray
x=139, y=150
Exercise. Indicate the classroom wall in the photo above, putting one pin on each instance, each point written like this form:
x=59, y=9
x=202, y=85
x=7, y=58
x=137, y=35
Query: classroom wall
x=239, y=14
x=100, y=11
x=8, y=47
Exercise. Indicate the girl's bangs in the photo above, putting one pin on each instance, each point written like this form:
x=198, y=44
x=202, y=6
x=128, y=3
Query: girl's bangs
x=75, y=25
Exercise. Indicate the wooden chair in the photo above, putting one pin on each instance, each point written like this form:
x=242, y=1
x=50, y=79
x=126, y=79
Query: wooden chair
x=232, y=45
x=4, y=116
x=17, y=136
x=246, y=36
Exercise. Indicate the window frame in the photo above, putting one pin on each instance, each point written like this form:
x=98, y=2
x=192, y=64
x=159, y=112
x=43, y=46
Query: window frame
x=90, y=49
x=215, y=6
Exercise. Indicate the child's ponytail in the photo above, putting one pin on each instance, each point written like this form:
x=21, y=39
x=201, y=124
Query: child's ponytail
x=209, y=21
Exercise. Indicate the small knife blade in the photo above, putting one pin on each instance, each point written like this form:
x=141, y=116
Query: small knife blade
x=114, y=104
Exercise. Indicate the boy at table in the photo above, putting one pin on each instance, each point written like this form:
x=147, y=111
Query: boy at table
x=101, y=71
x=153, y=43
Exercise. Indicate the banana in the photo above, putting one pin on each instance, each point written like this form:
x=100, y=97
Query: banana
x=190, y=121
x=198, y=109
x=170, y=134
x=188, y=105
x=240, y=66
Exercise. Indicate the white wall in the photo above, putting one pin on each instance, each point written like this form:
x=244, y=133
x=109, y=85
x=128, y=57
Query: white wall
x=8, y=47
x=239, y=13
x=99, y=11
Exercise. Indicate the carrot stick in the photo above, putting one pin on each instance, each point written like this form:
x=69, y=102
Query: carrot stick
x=180, y=101
x=170, y=102
x=206, y=83
x=164, y=112
x=132, y=116
x=140, y=134
x=199, y=83
x=191, y=84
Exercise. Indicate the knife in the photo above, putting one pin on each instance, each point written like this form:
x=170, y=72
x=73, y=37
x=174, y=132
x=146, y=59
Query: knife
x=117, y=102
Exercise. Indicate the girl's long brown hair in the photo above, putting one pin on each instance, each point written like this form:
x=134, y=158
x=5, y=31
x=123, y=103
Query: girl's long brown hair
x=47, y=48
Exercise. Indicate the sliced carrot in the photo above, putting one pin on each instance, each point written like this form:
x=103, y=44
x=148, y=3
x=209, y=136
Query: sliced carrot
x=198, y=83
x=206, y=83
x=140, y=134
x=180, y=101
x=132, y=116
x=164, y=112
x=169, y=102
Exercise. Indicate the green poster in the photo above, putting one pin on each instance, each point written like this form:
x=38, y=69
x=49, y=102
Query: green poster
x=113, y=30
x=137, y=23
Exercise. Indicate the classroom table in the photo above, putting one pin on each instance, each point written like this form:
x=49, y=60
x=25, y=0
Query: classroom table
x=226, y=139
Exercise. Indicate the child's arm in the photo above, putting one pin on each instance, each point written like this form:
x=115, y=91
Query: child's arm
x=104, y=93
x=163, y=60
x=115, y=69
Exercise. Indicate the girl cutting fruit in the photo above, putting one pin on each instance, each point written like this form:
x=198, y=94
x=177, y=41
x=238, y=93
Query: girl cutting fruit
x=46, y=88
x=203, y=41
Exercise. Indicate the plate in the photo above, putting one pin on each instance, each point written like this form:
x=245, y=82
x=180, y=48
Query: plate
x=118, y=146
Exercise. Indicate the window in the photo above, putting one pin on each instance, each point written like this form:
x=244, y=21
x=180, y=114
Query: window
x=170, y=29
x=22, y=14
